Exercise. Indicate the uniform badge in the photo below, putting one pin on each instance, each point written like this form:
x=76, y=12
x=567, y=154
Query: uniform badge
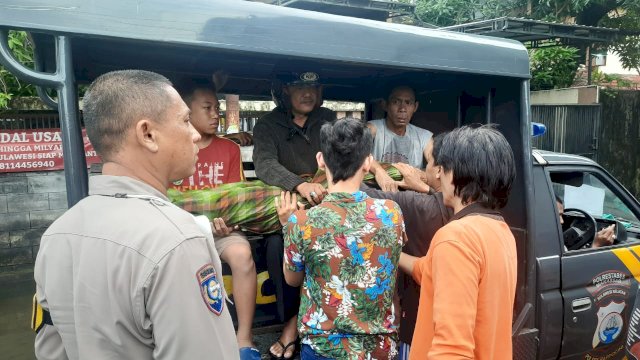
x=211, y=288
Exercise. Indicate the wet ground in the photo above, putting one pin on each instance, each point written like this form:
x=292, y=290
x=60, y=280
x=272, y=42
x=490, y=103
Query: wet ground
x=16, y=294
x=16, y=338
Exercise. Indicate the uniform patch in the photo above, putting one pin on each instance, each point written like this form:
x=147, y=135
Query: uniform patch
x=211, y=288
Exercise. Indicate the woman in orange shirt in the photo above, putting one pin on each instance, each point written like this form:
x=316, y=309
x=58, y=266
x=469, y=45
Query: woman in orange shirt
x=468, y=277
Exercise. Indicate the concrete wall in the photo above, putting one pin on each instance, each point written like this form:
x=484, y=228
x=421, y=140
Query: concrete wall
x=29, y=203
x=584, y=95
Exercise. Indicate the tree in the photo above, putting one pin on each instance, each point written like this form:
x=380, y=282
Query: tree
x=553, y=67
x=453, y=12
x=628, y=48
x=10, y=86
x=619, y=14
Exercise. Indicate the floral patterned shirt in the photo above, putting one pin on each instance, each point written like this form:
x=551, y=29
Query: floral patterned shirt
x=349, y=247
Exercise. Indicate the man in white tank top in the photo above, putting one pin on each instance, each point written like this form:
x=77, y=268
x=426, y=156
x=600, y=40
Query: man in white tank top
x=395, y=139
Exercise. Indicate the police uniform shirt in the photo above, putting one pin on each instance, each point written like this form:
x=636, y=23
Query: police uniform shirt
x=126, y=275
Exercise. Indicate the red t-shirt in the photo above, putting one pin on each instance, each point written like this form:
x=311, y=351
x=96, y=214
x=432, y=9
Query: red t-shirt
x=219, y=163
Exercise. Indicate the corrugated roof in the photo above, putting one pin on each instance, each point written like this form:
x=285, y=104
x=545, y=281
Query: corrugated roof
x=536, y=31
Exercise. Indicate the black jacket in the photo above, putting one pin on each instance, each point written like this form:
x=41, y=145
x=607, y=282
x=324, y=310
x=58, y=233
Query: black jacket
x=282, y=151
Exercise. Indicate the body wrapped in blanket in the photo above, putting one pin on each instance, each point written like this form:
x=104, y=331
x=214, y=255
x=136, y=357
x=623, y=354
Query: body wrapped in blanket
x=248, y=204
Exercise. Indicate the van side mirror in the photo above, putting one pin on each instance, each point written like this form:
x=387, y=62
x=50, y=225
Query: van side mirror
x=621, y=233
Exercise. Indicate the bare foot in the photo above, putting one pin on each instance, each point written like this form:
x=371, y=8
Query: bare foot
x=289, y=334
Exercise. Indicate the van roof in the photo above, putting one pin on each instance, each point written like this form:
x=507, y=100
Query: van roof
x=544, y=157
x=260, y=32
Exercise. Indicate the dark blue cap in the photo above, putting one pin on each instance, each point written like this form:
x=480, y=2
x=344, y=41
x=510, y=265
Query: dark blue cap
x=299, y=78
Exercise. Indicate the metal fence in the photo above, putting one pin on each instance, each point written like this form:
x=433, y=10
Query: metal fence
x=29, y=120
x=49, y=120
x=571, y=129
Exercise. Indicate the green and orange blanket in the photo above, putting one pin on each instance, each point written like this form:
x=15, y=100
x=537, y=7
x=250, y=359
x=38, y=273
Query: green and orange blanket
x=249, y=204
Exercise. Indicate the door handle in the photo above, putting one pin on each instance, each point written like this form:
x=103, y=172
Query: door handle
x=581, y=304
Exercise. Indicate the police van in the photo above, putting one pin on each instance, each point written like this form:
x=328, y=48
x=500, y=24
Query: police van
x=573, y=301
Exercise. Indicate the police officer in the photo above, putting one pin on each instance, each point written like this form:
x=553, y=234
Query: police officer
x=124, y=273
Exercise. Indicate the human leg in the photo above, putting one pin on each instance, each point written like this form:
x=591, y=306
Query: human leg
x=287, y=342
x=288, y=297
x=236, y=252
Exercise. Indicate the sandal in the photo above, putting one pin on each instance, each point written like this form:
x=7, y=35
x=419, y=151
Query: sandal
x=294, y=343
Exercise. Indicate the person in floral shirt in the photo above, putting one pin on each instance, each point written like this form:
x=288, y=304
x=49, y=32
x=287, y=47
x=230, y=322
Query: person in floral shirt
x=345, y=253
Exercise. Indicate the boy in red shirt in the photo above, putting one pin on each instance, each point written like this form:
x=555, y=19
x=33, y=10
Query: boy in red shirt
x=220, y=162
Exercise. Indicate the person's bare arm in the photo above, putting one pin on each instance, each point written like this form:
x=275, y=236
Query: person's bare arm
x=412, y=178
x=293, y=278
x=293, y=266
x=242, y=138
x=373, y=129
x=407, y=262
x=385, y=182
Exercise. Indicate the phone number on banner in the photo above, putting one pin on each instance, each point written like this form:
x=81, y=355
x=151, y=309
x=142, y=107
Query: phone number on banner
x=44, y=165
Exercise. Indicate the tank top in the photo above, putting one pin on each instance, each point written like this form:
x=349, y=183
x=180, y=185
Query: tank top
x=390, y=147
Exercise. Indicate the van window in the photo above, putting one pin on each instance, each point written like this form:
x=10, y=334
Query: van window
x=590, y=193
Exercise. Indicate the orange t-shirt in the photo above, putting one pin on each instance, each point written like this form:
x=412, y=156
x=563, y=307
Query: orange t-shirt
x=468, y=284
x=218, y=163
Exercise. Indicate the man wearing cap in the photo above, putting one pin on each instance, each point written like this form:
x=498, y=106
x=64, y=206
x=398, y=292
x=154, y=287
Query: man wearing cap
x=286, y=142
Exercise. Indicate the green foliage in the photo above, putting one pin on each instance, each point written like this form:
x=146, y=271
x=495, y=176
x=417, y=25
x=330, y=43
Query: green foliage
x=600, y=78
x=616, y=14
x=553, y=67
x=10, y=86
x=558, y=10
x=627, y=47
x=453, y=12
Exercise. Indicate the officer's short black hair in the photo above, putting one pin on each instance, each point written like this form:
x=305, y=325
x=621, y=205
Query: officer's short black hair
x=482, y=163
x=115, y=100
x=345, y=144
